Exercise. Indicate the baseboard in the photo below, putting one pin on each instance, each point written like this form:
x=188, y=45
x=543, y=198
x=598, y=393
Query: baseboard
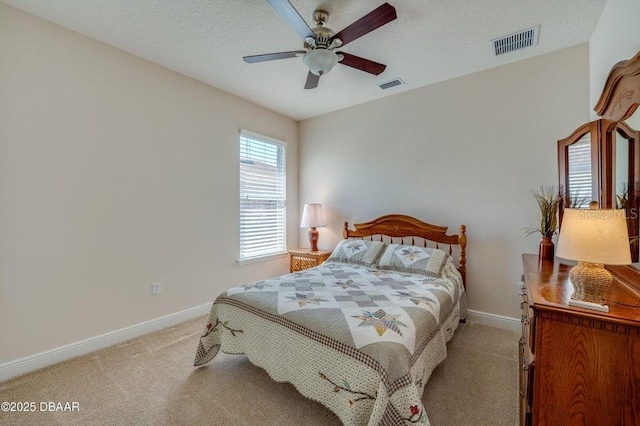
x=43, y=359
x=493, y=320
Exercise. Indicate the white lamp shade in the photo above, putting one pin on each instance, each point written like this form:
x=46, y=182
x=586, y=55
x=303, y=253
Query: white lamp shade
x=320, y=61
x=595, y=236
x=312, y=216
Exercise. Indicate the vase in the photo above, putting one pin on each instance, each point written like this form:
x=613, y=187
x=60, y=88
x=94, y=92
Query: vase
x=546, y=250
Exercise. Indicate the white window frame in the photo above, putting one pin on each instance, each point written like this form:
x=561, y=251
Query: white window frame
x=250, y=252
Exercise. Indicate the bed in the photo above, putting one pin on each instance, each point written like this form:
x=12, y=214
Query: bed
x=361, y=333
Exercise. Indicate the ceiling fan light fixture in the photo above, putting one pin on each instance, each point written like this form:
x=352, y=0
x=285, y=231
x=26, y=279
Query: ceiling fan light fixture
x=320, y=61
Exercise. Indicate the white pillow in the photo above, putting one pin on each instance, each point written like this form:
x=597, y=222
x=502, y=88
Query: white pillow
x=413, y=259
x=359, y=252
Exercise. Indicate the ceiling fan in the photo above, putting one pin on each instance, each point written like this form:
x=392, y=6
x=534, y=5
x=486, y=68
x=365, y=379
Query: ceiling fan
x=320, y=43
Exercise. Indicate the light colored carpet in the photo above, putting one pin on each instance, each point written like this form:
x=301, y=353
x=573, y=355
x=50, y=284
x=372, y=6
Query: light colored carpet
x=151, y=381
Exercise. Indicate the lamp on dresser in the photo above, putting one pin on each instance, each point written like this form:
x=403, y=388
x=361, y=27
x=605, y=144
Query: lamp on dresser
x=594, y=238
x=312, y=217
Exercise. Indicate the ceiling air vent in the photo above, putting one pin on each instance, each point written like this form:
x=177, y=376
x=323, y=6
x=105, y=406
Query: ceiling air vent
x=390, y=84
x=516, y=41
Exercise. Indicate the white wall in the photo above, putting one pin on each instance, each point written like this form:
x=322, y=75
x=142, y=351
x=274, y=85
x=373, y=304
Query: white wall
x=615, y=38
x=114, y=173
x=465, y=151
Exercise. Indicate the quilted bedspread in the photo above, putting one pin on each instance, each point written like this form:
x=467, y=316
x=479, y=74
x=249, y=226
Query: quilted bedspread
x=363, y=342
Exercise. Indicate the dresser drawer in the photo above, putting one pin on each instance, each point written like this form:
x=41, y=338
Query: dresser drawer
x=528, y=320
x=526, y=376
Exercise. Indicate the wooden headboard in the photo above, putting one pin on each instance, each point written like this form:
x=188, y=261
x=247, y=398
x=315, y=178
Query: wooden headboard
x=407, y=228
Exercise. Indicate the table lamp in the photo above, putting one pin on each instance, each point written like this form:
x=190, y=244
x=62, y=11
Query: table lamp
x=313, y=218
x=594, y=238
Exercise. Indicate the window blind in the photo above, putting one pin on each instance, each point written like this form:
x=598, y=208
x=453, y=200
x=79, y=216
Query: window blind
x=580, y=177
x=262, y=196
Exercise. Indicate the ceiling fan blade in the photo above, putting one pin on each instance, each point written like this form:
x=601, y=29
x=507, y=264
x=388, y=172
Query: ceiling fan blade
x=312, y=81
x=293, y=18
x=272, y=56
x=361, y=64
x=369, y=22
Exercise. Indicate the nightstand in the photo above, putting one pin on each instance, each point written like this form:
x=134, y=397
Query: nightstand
x=300, y=259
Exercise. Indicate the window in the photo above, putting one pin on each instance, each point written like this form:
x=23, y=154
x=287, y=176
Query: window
x=262, y=196
x=580, y=176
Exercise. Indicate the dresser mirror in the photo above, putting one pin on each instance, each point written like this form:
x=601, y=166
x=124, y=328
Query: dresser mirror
x=579, y=167
x=600, y=160
x=621, y=179
x=628, y=196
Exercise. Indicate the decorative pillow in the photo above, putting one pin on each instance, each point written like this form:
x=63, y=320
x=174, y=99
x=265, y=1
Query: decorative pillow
x=412, y=259
x=360, y=252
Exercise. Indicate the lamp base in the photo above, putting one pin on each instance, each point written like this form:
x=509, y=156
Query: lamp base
x=588, y=305
x=313, y=239
x=590, y=281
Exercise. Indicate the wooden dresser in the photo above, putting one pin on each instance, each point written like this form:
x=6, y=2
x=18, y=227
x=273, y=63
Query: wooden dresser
x=577, y=367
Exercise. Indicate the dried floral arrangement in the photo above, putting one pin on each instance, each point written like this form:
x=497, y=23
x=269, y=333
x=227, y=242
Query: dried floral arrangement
x=549, y=199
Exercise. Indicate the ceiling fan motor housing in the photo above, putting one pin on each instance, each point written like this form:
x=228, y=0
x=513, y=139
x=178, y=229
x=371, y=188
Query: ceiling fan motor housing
x=323, y=35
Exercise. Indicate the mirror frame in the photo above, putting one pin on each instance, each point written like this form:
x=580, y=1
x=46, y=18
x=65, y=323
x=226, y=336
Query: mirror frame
x=619, y=100
x=592, y=128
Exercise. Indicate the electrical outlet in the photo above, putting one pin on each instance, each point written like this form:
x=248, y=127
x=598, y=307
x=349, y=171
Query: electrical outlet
x=155, y=289
x=519, y=287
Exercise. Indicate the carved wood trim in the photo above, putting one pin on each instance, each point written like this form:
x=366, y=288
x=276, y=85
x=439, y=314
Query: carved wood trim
x=589, y=321
x=621, y=94
x=403, y=226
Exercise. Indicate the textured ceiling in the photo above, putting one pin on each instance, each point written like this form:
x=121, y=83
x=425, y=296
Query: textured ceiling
x=431, y=41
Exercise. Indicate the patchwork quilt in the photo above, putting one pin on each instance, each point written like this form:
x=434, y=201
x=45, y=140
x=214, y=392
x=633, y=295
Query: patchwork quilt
x=361, y=341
